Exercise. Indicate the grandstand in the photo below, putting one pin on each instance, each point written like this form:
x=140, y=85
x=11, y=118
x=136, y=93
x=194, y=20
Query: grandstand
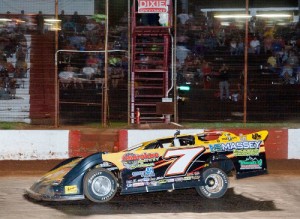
x=207, y=39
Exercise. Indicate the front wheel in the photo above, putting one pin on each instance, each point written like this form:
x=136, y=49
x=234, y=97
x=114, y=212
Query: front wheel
x=99, y=185
x=216, y=183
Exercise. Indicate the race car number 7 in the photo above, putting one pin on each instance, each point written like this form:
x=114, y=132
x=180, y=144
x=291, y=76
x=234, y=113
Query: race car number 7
x=184, y=159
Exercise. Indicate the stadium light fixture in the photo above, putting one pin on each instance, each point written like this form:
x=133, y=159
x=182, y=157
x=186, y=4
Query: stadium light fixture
x=5, y=20
x=274, y=15
x=232, y=16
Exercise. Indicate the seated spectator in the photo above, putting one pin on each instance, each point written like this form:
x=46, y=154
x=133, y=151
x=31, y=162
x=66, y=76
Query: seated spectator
x=268, y=44
x=284, y=55
x=233, y=47
x=88, y=71
x=116, y=75
x=93, y=61
x=293, y=59
x=199, y=46
x=68, y=77
x=287, y=74
x=182, y=39
x=183, y=17
x=254, y=46
x=92, y=31
x=240, y=47
x=278, y=44
x=78, y=41
x=221, y=37
x=297, y=75
x=181, y=54
x=210, y=43
x=98, y=78
x=272, y=62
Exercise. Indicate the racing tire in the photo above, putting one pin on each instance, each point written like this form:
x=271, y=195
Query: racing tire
x=99, y=185
x=216, y=183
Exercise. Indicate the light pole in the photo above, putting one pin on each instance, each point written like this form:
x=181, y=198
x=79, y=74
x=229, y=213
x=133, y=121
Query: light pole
x=246, y=63
x=105, y=102
x=56, y=86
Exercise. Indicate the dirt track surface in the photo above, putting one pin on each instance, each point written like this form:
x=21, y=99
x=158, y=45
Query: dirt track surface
x=275, y=195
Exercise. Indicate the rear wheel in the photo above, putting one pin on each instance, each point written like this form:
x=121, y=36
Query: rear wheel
x=216, y=183
x=99, y=185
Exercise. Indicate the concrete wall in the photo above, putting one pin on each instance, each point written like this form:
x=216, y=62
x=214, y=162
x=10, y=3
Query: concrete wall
x=34, y=144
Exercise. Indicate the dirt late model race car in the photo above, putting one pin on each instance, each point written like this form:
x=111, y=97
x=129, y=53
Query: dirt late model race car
x=202, y=161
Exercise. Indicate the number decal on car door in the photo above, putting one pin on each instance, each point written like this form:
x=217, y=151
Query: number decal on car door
x=184, y=158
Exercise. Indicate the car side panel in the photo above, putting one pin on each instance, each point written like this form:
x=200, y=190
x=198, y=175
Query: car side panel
x=159, y=169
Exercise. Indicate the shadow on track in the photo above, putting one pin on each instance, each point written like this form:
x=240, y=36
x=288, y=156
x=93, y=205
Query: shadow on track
x=162, y=202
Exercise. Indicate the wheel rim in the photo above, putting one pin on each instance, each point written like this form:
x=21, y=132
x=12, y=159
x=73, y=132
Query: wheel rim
x=214, y=183
x=101, y=186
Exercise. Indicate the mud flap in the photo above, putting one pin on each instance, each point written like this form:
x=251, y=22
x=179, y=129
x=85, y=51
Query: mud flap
x=248, y=166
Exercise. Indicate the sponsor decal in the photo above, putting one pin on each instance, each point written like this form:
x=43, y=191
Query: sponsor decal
x=146, y=179
x=193, y=173
x=149, y=172
x=243, y=138
x=105, y=164
x=256, y=136
x=179, y=179
x=170, y=180
x=162, y=181
x=71, y=189
x=132, y=161
x=139, y=173
x=251, y=163
x=196, y=177
x=246, y=152
x=153, y=183
x=146, y=157
x=138, y=184
x=187, y=178
x=152, y=6
x=230, y=146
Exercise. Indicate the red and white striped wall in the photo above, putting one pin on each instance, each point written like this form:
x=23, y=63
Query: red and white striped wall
x=62, y=144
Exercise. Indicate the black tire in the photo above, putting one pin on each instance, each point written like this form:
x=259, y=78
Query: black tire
x=99, y=185
x=216, y=183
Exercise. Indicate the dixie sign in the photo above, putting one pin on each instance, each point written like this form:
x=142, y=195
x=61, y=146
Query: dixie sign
x=153, y=6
